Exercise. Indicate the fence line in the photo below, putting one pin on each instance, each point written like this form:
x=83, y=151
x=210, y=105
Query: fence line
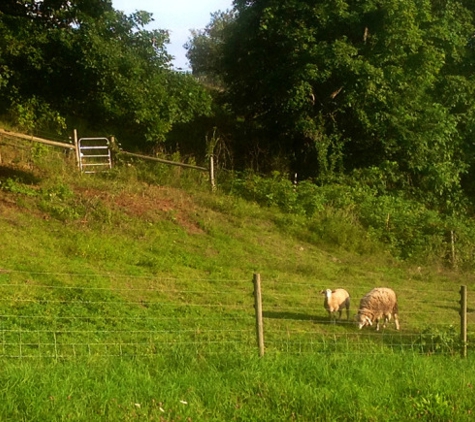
x=53, y=321
x=117, y=319
x=270, y=284
x=115, y=289
x=430, y=340
x=76, y=147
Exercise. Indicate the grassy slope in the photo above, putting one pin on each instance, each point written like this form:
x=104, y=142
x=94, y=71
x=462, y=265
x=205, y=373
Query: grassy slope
x=117, y=250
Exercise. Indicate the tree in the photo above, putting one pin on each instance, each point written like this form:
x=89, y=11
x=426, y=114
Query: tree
x=138, y=92
x=342, y=85
x=205, y=48
x=84, y=60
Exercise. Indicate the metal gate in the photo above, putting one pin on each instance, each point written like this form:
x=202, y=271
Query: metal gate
x=94, y=154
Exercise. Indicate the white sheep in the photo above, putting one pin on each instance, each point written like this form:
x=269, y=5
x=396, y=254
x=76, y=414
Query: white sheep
x=335, y=301
x=381, y=302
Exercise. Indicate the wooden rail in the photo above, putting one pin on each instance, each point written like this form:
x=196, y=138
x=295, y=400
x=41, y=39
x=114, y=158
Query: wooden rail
x=74, y=146
x=161, y=160
x=36, y=139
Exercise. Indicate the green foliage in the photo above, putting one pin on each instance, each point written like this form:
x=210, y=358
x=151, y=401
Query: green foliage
x=350, y=215
x=343, y=85
x=33, y=115
x=89, y=62
x=432, y=407
x=409, y=228
x=205, y=49
x=305, y=198
x=439, y=341
x=58, y=202
x=16, y=186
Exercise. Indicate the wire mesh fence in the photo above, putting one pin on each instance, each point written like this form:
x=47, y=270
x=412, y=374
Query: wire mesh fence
x=130, y=316
x=430, y=322
x=63, y=316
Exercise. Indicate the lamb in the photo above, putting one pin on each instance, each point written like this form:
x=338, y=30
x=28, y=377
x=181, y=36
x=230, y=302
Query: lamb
x=335, y=301
x=381, y=302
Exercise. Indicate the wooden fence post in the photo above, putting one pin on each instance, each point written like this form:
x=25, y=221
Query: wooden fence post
x=463, y=320
x=258, y=309
x=452, y=248
x=76, y=147
x=211, y=173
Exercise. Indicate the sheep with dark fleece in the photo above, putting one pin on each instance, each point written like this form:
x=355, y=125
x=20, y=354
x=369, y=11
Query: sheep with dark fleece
x=381, y=302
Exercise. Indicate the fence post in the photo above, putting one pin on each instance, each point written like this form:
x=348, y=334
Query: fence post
x=258, y=309
x=76, y=147
x=463, y=320
x=211, y=173
x=452, y=247
x=113, y=144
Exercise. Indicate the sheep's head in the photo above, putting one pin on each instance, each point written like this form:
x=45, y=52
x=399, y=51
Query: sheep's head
x=363, y=321
x=327, y=293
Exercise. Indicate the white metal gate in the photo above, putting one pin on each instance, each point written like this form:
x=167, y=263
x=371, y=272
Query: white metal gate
x=94, y=155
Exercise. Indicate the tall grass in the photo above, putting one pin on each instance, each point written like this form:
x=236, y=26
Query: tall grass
x=182, y=386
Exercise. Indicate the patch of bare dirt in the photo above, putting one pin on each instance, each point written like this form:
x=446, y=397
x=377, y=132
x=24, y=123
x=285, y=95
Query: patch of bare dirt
x=153, y=204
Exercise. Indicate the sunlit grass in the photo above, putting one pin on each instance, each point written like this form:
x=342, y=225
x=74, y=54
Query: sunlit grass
x=128, y=296
x=186, y=386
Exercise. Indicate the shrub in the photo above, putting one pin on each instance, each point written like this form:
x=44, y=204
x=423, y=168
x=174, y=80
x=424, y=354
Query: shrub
x=438, y=341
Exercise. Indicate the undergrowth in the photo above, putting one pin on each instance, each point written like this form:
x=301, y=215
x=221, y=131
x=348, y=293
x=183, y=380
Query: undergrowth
x=343, y=214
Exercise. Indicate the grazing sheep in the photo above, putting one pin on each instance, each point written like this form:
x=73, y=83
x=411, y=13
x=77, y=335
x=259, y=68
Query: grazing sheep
x=381, y=302
x=335, y=301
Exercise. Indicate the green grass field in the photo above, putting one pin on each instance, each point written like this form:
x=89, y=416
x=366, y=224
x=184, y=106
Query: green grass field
x=180, y=385
x=129, y=296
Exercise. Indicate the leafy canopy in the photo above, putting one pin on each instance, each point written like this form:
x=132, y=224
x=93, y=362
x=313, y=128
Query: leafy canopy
x=83, y=60
x=341, y=85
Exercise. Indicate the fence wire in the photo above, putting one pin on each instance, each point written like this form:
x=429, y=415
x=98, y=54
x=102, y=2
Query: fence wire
x=144, y=316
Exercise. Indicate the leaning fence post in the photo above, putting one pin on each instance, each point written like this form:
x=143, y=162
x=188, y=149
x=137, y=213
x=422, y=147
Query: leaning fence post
x=258, y=309
x=463, y=320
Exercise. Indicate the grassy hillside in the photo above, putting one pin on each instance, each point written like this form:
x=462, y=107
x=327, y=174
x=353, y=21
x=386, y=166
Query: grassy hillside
x=128, y=296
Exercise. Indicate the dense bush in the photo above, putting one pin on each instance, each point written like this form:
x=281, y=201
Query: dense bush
x=343, y=214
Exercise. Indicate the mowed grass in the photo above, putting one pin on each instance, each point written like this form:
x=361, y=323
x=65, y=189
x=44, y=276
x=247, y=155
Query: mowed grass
x=128, y=296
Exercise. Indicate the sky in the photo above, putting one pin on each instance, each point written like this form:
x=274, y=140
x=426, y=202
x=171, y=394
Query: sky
x=176, y=16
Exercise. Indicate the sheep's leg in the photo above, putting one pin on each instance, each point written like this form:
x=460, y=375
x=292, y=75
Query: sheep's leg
x=396, y=321
x=377, y=324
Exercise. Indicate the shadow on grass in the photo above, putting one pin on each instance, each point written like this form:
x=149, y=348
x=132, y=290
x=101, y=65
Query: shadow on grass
x=21, y=176
x=316, y=319
x=457, y=309
x=290, y=315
